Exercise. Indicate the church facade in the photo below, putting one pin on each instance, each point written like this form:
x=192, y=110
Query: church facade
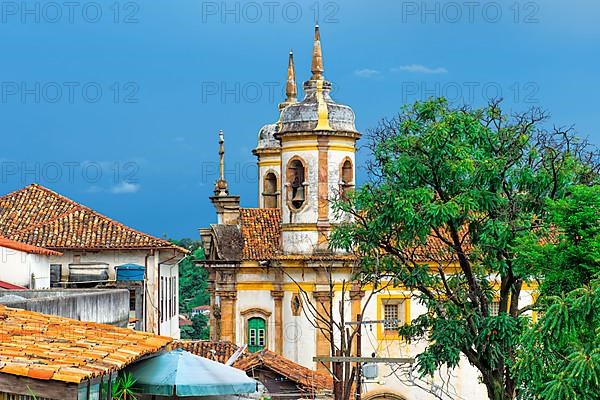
x=272, y=274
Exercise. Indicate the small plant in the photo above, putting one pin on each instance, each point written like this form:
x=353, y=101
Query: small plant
x=124, y=388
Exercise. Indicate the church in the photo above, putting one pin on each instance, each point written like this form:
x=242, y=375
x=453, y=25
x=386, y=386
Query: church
x=272, y=274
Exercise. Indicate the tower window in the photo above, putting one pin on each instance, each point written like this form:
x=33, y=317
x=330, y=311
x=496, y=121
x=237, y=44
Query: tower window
x=270, y=193
x=347, y=183
x=296, y=184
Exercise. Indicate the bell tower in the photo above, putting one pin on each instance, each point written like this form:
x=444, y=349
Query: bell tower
x=317, y=138
x=268, y=150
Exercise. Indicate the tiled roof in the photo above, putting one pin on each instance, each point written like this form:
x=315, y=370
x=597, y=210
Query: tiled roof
x=48, y=347
x=9, y=286
x=307, y=378
x=26, y=248
x=40, y=217
x=222, y=351
x=261, y=231
x=217, y=351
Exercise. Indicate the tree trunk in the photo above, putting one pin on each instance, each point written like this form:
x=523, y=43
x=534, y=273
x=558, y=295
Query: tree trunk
x=495, y=388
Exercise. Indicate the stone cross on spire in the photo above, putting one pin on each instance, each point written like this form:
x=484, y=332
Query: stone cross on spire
x=221, y=184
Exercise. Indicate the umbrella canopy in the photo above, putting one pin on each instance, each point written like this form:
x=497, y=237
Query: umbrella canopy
x=181, y=373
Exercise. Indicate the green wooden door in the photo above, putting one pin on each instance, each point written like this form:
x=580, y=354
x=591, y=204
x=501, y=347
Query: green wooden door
x=257, y=334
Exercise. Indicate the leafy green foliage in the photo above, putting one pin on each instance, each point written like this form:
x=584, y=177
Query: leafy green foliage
x=124, y=388
x=476, y=183
x=559, y=357
x=199, y=330
x=193, y=279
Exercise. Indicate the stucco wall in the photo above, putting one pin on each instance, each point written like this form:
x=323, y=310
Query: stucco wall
x=299, y=335
x=106, y=306
x=147, y=258
x=23, y=269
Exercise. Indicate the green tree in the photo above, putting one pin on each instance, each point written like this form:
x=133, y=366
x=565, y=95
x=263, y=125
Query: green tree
x=559, y=356
x=474, y=183
x=199, y=330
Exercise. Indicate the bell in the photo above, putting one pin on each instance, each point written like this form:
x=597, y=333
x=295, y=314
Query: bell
x=299, y=195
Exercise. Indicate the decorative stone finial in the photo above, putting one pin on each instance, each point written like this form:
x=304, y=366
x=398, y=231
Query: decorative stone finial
x=221, y=184
x=317, y=57
x=291, y=89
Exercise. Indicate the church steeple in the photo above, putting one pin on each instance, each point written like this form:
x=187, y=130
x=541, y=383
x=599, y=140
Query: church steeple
x=317, y=57
x=291, y=90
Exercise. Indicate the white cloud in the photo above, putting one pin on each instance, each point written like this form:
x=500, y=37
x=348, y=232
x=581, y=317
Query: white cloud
x=367, y=73
x=125, y=188
x=419, y=69
x=94, y=189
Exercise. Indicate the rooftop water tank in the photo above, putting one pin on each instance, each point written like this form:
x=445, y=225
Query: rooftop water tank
x=130, y=272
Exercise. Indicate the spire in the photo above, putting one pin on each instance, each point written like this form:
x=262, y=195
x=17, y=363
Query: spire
x=221, y=184
x=222, y=155
x=291, y=90
x=317, y=57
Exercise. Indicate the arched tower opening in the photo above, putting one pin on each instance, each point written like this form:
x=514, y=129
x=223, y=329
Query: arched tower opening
x=270, y=191
x=296, y=184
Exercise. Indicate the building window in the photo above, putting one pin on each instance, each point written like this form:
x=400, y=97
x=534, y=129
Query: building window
x=257, y=334
x=270, y=192
x=495, y=308
x=347, y=181
x=296, y=184
x=394, y=314
x=55, y=275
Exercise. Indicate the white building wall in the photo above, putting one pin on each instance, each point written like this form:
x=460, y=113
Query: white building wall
x=299, y=335
x=150, y=259
x=24, y=269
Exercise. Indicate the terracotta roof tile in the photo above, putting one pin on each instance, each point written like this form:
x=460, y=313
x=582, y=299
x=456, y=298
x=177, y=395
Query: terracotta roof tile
x=307, y=378
x=40, y=217
x=50, y=347
x=26, y=248
x=217, y=351
x=261, y=232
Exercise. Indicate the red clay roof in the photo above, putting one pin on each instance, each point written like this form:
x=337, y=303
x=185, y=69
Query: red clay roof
x=217, y=351
x=49, y=347
x=9, y=286
x=26, y=248
x=40, y=217
x=261, y=232
x=307, y=378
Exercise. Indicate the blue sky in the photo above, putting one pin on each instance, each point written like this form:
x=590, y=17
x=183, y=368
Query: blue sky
x=118, y=104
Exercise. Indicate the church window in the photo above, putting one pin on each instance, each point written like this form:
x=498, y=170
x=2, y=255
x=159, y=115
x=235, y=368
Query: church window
x=495, y=308
x=347, y=181
x=257, y=334
x=296, y=305
x=296, y=184
x=270, y=193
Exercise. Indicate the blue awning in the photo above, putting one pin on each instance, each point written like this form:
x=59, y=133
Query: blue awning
x=183, y=374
